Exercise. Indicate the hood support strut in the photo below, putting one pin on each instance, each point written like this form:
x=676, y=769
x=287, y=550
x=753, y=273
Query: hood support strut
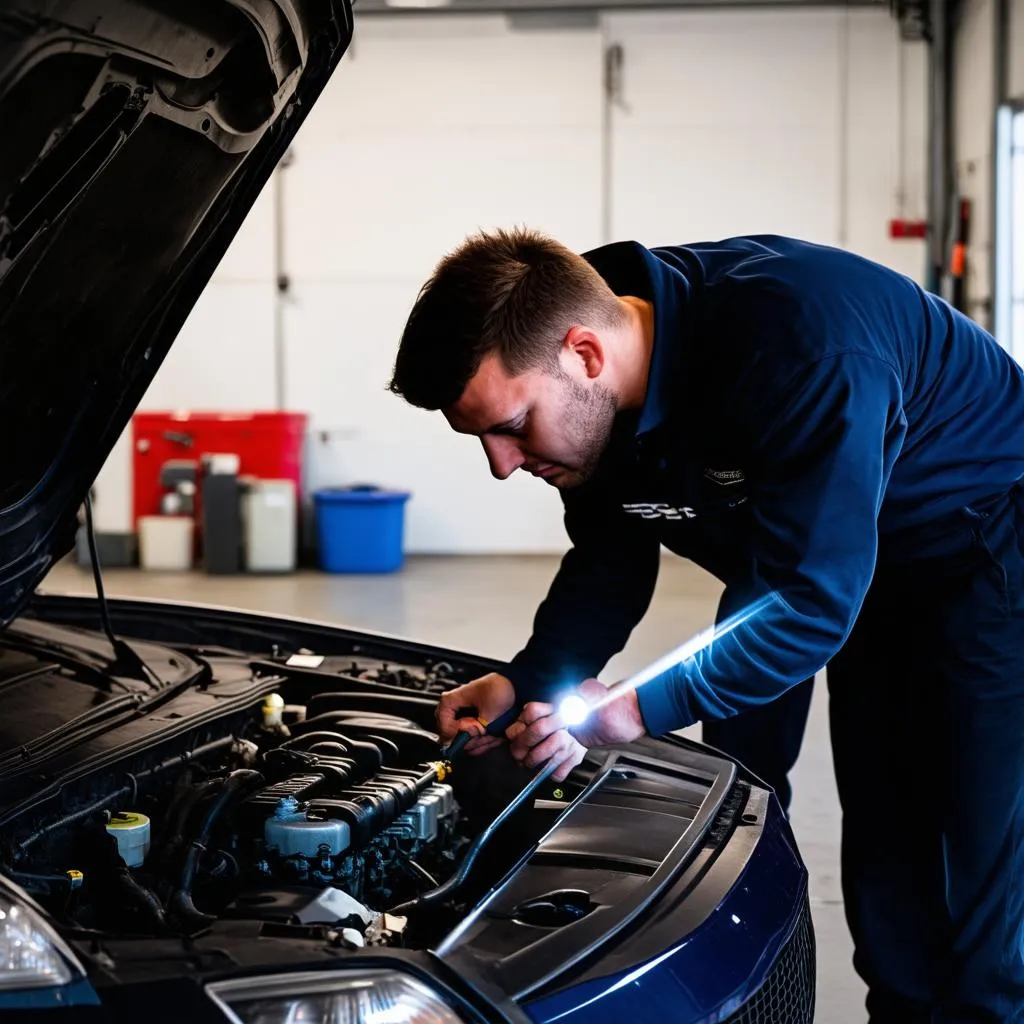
x=127, y=661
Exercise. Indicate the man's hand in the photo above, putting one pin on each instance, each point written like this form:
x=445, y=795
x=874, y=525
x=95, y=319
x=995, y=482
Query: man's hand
x=540, y=734
x=489, y=696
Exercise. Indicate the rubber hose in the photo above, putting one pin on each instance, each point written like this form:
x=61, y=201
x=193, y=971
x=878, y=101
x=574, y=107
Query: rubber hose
x=115, y=796
x=175, y=834
x=181, y=902
x=460, y=876
x=144, y=898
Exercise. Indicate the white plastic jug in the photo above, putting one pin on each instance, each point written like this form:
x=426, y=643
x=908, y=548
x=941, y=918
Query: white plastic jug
x=165, y=543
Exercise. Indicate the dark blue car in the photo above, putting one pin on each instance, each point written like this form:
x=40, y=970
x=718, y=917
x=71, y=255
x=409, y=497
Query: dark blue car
x=212, y=815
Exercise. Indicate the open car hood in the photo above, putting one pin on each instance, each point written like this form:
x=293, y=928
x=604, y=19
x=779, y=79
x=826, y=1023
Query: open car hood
x=136, y=136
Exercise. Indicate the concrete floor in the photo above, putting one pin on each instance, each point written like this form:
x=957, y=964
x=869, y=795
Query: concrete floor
x=486, y=605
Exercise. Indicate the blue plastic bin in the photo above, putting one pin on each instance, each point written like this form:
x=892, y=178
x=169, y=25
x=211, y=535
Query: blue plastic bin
x=360, y=529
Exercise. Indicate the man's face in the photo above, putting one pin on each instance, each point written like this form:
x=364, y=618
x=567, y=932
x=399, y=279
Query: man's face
x=553, y=423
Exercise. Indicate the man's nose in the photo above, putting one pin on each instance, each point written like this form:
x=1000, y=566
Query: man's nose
x=503, y=454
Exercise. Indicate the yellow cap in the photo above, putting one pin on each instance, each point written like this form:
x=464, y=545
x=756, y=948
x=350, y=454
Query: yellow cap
x=273, y=705
x=75, y=878
x=127, y=819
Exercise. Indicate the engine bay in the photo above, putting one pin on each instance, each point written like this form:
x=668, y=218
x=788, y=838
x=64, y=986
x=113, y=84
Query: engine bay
x=248, y=793
x=310, y=813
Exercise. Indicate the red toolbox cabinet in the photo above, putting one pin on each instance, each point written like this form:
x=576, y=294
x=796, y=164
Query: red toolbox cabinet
x=268, y=444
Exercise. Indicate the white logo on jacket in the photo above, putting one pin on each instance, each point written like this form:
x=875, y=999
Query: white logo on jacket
x=658, y=510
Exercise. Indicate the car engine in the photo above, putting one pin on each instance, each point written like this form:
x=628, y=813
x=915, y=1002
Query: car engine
x=345, y=800
x=325, y=810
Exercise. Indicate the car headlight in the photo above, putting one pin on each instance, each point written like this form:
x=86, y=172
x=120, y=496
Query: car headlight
x=332, y=997
x=32, y=954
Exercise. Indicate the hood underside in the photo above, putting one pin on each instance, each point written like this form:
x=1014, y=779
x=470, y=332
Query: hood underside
x=136, y=136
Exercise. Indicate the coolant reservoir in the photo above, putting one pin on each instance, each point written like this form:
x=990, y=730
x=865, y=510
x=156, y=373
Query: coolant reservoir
x=131, y=831
x=291, y=832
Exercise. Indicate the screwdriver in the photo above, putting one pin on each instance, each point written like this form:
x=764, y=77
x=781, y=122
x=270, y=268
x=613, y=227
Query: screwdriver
x=495, y=728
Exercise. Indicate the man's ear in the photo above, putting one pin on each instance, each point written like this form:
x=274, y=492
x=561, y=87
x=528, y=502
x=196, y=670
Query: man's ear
x=583, y=348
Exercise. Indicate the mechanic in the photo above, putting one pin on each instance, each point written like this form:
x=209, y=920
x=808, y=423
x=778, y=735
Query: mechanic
x=803, y=423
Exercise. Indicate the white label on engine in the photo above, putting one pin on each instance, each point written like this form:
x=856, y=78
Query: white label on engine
x=305, y=661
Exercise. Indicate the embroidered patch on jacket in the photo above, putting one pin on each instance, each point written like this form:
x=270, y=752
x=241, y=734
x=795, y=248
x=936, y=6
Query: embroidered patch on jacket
x=725, y=477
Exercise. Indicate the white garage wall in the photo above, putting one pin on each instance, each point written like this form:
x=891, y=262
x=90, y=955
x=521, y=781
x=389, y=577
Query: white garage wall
x=729, y=125
x=886, y=150
x=742, y=122
x=433, y=127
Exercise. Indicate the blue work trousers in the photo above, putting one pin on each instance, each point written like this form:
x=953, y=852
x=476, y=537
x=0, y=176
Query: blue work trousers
x=927, y=719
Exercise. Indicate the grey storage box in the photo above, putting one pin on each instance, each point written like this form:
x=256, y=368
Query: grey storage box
x=269, y=525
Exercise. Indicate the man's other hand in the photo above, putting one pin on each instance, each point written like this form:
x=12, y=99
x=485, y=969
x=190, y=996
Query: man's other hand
x=539, y=734
x=489, y=697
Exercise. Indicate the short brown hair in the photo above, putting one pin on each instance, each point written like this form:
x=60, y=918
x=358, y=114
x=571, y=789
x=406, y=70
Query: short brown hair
x=513, y=292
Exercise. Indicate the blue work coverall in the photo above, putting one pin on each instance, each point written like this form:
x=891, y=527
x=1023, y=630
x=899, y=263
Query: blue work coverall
x=818, y=428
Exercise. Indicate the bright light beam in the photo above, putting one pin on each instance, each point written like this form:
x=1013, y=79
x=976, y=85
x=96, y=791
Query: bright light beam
x=574, y=710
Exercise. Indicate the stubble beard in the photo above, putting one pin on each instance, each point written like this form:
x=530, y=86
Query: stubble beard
x=588, y=417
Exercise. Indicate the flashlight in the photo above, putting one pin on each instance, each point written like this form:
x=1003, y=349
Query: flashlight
x=574, y=710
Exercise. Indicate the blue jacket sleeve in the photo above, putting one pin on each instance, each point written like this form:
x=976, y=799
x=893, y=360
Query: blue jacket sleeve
x=821, y=456
x=601, y=591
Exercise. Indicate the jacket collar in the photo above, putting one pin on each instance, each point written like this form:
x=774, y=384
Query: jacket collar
x=660, y=277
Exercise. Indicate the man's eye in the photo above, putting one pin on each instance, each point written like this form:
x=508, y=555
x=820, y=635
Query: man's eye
x=517, y=429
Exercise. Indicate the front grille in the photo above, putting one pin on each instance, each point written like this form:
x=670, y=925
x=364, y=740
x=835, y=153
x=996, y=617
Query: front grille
x=787, y=994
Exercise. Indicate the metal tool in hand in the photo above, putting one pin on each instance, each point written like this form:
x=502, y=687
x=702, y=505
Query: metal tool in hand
x=495, y=728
